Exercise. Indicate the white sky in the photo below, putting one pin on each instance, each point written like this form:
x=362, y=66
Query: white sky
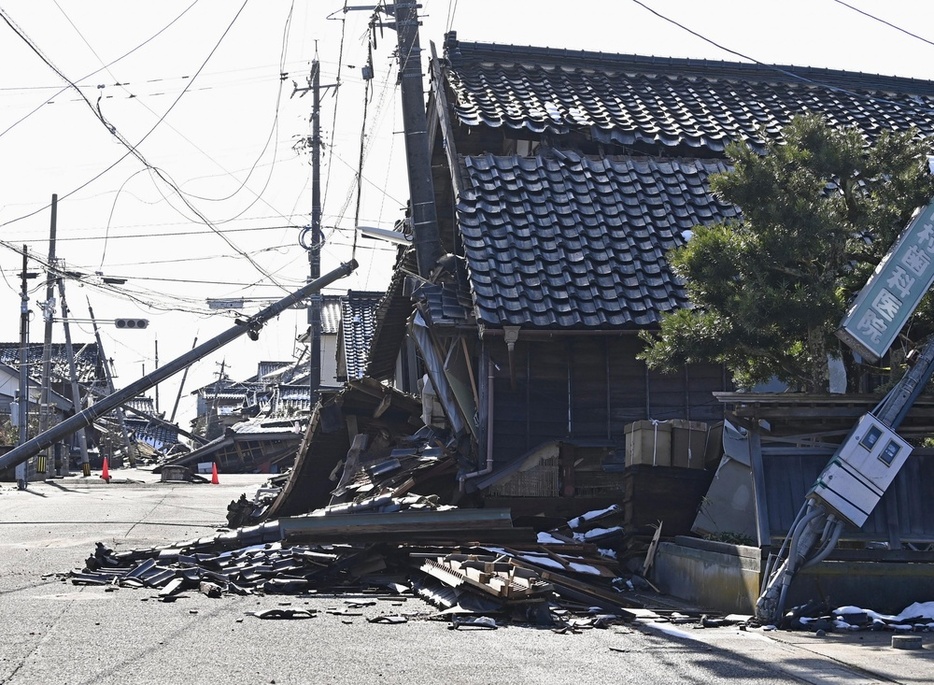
x=227, y=142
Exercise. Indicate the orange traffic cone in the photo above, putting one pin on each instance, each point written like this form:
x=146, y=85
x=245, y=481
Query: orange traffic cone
x=105, y=472
x=214, y=480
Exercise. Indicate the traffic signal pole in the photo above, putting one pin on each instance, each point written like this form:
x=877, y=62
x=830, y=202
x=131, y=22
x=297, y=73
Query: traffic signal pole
x=250, y=327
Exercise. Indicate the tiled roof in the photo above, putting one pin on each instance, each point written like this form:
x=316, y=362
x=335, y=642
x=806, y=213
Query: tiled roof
x=258, y=426
x=265, y=369
x=445, y=304
x=155, y=435
x=392, y=313
x=569, y=241
x=648, y=101
x=359, y=320
x=87, y=361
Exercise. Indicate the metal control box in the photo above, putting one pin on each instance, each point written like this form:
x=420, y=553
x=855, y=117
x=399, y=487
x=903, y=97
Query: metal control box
x=861, y=470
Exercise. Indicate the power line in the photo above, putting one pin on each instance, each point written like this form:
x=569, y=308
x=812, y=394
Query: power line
x=883, y=21
x=121, y=57
x=159, y=236
x=773, y=67
x=133, y=149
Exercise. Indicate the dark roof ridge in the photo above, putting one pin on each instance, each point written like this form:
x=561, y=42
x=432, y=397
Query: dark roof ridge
x=456, y=50
x=574, y=153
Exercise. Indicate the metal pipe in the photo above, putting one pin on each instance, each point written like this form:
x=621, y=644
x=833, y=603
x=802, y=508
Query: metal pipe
x=251, y=327
x=489, y=426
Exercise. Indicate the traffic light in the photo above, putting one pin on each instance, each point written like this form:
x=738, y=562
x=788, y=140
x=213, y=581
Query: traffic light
x=131, y=323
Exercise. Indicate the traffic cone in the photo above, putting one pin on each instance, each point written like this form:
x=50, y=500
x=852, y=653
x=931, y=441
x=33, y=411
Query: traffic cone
x=105, y=472
x=214, y=480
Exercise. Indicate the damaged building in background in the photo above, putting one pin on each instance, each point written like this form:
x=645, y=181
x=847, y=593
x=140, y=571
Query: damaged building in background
x=256, y=425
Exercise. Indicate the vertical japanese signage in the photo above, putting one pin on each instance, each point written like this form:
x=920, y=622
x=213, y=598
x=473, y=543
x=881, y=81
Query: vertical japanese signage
x=893, y=291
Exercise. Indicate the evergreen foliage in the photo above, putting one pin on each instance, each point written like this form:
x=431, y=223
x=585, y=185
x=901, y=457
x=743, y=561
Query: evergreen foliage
x=820, y=210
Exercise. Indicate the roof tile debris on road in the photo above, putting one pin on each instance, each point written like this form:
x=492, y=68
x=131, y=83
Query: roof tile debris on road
x=465, y=562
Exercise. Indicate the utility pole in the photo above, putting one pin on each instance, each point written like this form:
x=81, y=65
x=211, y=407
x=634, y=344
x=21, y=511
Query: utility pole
x=178, y=398
x=417, y=152
x=21, y=473
x=317, y=237
x=156, y=389
x=48, y=311
x=212, y=415
x=75, y=390
x=314, y=254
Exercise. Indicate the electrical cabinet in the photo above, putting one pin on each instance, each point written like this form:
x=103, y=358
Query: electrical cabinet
x=861, y=470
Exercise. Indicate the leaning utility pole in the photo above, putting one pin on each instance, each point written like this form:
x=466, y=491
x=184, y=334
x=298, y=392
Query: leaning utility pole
x=181, y=385
x=75, y=389
x=121, y=421
x=424, y=213
x=48, y=311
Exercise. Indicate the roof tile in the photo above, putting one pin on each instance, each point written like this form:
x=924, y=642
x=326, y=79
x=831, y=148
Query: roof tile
x=593, y=266
x=628, y=100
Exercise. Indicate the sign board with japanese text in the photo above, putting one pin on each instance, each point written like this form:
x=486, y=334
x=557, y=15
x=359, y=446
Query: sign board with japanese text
x=893, y=291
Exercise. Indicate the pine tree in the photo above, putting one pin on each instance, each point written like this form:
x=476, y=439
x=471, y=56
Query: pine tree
x=820, y=209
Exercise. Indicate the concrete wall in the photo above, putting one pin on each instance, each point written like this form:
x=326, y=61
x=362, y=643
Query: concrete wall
x=713, y=575
x=726, y=578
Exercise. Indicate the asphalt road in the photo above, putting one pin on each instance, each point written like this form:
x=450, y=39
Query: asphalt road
x=54, y=632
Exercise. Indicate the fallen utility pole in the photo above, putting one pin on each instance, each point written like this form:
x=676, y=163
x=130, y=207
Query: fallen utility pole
x=251, y=327
x=152, y=419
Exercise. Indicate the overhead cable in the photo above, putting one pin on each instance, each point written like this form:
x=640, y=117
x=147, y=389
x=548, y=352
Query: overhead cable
x=883, y=21
x=97, y=71
x=133, y=149
x=772, y=67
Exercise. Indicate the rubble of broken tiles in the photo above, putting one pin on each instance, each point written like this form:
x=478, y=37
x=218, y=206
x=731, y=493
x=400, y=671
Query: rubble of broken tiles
x=556, y=578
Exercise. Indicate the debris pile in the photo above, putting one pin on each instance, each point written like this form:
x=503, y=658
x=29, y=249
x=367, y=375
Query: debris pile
x=472, y=564
x=818, y=617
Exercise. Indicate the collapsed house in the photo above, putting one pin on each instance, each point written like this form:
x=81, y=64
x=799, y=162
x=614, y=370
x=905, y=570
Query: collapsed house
x=255, y=425
x=561, y=181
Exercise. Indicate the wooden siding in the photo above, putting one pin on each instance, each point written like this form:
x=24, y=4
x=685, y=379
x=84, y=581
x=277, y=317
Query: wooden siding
x=790, y=472
x=587, y=389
